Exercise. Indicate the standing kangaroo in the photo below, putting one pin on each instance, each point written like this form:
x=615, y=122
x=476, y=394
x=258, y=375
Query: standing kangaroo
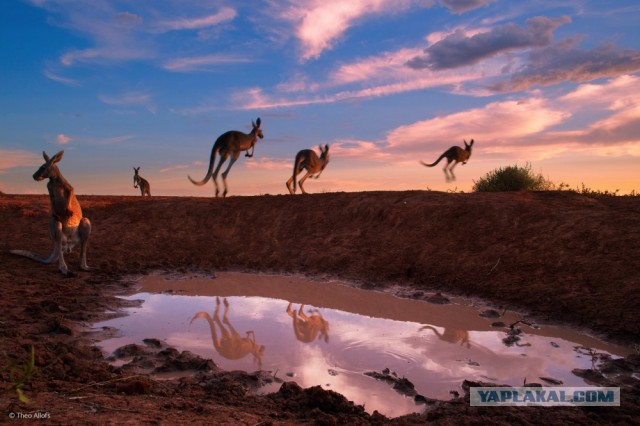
x=454, y=154
x=230, y=144
x=309, y=160
x=230, y=345
x=67, y=226
x=139, y=181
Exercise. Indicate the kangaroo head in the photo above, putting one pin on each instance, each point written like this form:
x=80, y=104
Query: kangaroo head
x=256, y=128
x=468, y=145
x=324, y=155
x=49, y=168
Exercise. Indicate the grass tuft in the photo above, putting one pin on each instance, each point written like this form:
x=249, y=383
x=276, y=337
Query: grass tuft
x=512, y=178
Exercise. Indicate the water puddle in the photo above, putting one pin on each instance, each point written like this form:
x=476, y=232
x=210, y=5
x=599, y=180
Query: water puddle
x=331, y=334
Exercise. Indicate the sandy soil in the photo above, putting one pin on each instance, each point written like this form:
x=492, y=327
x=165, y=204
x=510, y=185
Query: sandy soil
x=561, y=257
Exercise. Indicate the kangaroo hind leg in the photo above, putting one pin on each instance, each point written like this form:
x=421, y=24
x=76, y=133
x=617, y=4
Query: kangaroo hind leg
x=84, y=230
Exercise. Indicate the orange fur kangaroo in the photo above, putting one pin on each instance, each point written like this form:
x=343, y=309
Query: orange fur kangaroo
x=67, y=227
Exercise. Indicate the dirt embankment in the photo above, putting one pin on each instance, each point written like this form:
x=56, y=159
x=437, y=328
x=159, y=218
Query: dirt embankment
x=560, y=256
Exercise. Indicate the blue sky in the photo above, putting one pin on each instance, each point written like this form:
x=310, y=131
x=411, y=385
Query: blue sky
x=386, y=83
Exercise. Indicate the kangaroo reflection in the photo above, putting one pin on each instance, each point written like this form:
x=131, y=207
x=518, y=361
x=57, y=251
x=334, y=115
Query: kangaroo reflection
x=230, y=344
x=451, y=335
x=306, y=328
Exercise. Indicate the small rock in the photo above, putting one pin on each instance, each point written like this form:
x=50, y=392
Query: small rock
x=490, y=313
x=438, y=299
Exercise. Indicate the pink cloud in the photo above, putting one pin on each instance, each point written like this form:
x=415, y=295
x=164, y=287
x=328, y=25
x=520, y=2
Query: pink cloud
x=223, y=15
x=320, y=23
x=496, y=122
x=63, y=139
x=12, y=158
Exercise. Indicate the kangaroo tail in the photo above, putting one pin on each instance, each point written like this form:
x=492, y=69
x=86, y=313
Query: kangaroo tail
x=34, y=256
x=434, y=163
x=214, y=152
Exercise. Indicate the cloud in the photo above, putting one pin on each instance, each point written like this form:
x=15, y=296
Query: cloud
x=461, y=6
x=458, y=49
x=128, y=19
x=257, y=98
x=348, y=148
x=614, y=93
x=517, y=119
x=387, y=65
x=115, y=35
x=63, y=139
x=67, y=81
x=129, y=99
x=10, y=159
x=320, y=23
x=225, y=14
x=110, y=141
x=199, y=63
x=618, y=96
x=267, y=163
x=565, y=62
x=174, y=167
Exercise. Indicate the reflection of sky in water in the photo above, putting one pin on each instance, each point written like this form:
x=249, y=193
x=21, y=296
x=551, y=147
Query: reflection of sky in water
x=357, y=343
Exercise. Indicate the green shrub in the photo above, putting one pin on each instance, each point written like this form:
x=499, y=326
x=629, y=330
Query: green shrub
x=512, y=178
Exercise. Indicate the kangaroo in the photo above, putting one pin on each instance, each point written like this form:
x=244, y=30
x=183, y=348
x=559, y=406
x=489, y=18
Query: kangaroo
x=230, y=144
x=454, y=154
x=139, y=181
x=450, y=335
x=230, y=345
x=306, y=328
x=309, y=160
x=67, y=227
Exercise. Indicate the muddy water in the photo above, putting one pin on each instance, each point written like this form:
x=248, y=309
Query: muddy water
x=329, y=334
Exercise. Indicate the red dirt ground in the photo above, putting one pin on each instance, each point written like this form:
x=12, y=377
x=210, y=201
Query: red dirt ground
x=560, y=256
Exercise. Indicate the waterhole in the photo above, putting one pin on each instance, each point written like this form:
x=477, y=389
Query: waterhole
x=334, y=335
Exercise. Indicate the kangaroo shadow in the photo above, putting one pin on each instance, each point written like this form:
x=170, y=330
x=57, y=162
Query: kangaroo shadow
x=307, y=328
x=230, y=344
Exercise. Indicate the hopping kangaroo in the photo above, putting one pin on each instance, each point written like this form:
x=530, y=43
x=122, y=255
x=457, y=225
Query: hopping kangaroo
x=67, y=226
x=309, y=160
x=306, y=328
x=139, y=181
x=454, y=154
x=230, y=144
x=230, y=345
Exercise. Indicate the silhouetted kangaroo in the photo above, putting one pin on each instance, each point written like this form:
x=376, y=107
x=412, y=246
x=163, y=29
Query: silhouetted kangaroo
x=454, y=154
x=309, y=160
x=139, y=181
x=230, y=144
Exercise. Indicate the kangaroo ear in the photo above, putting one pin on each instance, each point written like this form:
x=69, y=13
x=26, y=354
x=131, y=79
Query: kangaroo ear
x=258, y=121
x=471, y=143
x=45, y=156
x=326, y=148
x=57, y=157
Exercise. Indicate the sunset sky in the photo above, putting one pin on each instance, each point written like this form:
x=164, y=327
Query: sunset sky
x=386, y=83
